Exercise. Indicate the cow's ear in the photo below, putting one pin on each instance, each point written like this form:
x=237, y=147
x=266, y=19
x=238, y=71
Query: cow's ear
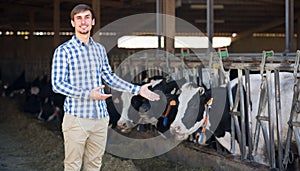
x=201, y=90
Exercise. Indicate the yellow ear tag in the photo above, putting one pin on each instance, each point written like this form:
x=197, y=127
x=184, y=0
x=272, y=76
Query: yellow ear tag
x=117, y=100
x=173, y=103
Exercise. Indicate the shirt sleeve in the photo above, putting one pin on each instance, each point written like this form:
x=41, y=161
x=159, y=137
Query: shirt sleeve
x=112, y=80
x=60, y=76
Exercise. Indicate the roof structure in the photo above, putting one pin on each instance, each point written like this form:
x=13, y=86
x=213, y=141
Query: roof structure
x=230, y=16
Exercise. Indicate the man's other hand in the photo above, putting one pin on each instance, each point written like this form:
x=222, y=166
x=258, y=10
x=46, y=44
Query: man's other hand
x=150, y=95
x=96, y=95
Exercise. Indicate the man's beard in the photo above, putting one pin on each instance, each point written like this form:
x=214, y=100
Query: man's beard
x=84, y=32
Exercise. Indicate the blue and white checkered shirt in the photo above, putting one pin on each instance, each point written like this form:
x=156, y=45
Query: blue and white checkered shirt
x=77, y=68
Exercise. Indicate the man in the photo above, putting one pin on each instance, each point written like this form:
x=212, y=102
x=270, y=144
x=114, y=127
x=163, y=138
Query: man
x=78, y=68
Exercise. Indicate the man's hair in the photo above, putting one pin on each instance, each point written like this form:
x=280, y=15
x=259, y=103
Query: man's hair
x=80, y=8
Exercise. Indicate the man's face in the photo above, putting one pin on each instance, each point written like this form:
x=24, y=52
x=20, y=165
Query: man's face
x=83, y=22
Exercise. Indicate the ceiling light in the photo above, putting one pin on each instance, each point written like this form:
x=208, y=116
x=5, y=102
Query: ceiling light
x=204, y=21
x=199, y=6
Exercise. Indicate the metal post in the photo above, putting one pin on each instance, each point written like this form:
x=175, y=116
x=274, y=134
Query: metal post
x=293, y=115
x=271, y=121
x=289, y=25
x=210, y=23
x=158, y=23
x=200, y=76
x=278, y=118
x=242, y=111
x=248, y=101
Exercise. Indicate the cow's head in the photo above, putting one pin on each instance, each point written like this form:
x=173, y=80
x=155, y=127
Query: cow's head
x=188, y=110
x=138, y=110
x=195, y=106
x=132, y=107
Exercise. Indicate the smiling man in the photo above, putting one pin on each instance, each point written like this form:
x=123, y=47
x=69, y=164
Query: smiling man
x=78, y=68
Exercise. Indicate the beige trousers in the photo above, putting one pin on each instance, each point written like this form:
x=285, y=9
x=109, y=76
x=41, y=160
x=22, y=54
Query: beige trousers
x=84, y=141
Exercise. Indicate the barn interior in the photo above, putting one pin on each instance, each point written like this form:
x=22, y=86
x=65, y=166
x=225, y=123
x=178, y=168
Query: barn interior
x=30, y=31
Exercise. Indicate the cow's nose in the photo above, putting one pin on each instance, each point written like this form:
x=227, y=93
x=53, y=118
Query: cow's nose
x=144, y=108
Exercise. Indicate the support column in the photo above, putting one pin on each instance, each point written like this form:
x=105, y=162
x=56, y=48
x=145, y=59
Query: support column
x=30, y=63
x=31, y=30
x=56, y=22
x=96, y=6
x=298, y=33
x=210, y=23
x=289, y=25
x=159, y=23
x=169, y=23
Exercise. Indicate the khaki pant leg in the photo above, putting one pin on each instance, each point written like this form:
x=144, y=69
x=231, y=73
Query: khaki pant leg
x=95, y=145
x=74, y=143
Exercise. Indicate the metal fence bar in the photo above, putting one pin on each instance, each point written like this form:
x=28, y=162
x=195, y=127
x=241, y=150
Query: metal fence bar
x=249, y=127
x=278, y=119
x=271, y=116
x=242, y=115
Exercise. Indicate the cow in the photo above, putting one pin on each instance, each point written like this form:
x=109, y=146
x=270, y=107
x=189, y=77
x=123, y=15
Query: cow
x=17, y=86
x=34, y=99
x=286, y=92
x=114, y=104
x=181, y=128
x=192, y=111
x=43, y=101
x=51, y=103
x=138, y=110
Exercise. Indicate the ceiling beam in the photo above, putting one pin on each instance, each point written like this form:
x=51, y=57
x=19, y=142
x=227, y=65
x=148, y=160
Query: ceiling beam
x=262, y=28
x=24, y=7
x=279, y=2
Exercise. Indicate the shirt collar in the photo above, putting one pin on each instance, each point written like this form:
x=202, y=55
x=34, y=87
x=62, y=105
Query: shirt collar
x=80, y=43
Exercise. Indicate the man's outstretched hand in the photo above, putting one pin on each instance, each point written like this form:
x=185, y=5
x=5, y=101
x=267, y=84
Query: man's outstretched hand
x=95, y=95
x=150, y=95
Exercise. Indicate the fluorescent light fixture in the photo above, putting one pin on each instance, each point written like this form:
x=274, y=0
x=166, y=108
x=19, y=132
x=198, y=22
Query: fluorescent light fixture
x=191, y=42
x=200, y=42
x=133, y=42
x=204, y=21
x=197, y=42
x=199, y=6
x=221, y=42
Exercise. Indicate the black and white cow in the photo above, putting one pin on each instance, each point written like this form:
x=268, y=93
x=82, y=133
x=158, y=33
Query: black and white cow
x=192, y=114
x=114, y=108
x=286, y=92
x=17, y=86
x=141, y=111
x=51, y=103
x=181, y=128
x=34, y=99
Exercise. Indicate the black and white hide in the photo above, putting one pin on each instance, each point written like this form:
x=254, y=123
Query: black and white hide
x=19, y=85
x=138, y=110
x=203, y=115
